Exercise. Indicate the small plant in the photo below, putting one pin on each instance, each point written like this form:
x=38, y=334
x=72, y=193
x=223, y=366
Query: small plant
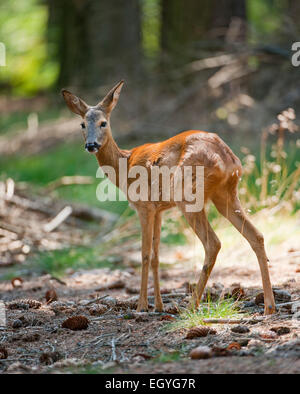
x=167, y=357
x=192, y=317
x=273, y=180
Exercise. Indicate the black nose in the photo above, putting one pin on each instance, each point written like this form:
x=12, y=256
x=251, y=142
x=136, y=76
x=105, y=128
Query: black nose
x=92, y=147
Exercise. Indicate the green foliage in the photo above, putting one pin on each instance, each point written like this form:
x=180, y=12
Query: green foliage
x=167, y=357
x=151, y=27
x=265, y=17
x=172, y=232
x=23, y=27
x=272, y=179
x=56, y=262
x=192, y=317
x=41, y=169
x=13, y=121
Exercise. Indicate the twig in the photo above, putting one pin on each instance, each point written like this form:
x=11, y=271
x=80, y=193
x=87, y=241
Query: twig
x=58, y=280
x=96, y=300
x=113, y=350
x=10, y=188
x=58, y=220
x=70, y=180
x=231, y=321
x=11, y=228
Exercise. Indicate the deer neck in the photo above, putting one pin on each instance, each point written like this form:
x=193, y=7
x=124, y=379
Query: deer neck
x=110, y=154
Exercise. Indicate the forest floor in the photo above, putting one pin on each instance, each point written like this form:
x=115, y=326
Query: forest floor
x=119, y=340
x=93, y=270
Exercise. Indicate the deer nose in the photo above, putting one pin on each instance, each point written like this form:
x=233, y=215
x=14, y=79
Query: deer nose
x=92, y=147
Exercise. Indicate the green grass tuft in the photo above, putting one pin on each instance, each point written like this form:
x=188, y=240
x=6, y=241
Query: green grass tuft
x=167, y=357
x=191, y=317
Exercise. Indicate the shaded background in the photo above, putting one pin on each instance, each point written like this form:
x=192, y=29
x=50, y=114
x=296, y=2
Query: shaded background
x=215, y=65
x=159, y=47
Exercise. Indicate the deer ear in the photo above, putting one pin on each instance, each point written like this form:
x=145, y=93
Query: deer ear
x=110, y=100
x=75, y=103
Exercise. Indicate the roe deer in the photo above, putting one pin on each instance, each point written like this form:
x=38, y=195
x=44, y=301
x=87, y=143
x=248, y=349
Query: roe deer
x=222, y=170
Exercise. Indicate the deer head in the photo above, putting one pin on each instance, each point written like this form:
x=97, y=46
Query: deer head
x=95, y=119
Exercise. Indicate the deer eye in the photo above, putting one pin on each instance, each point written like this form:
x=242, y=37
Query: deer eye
x=103, y=124
x=82, y=125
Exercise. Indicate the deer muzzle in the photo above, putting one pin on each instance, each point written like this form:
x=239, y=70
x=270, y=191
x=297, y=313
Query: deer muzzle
x=92, y=147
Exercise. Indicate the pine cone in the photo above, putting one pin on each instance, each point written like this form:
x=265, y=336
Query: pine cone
x=76, y=323
x=200, y=352
x=97, y=310
x=51, y=296
x=234, y=346
x=50, y=357
x=200, y=331
x=259, y=299
x=3, y=353
x=238, y=293
x=24, y=304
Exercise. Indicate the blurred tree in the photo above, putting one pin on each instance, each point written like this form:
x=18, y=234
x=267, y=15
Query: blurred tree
x=185, y=23
x=23, y=31
x=229, y=19
x=99, y=40
x=294, y=8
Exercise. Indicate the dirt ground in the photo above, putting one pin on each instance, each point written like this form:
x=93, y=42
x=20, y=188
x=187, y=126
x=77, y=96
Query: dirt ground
x=118, y=340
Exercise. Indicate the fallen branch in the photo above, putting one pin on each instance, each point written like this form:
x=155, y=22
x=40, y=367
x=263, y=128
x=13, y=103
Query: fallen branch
x=11, y=228
x=79, y=211
x=70, y=180
x=225, y=321
x=233, y=321
x=113, y=350
x=58, y=220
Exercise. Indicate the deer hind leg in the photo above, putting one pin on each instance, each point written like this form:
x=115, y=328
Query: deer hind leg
x=147, y=223
x=231, y=208
x=211, y=243
x=155, y=262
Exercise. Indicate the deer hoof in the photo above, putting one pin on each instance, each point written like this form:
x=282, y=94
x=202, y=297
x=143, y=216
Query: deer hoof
x=142, y=308
x=269, y=310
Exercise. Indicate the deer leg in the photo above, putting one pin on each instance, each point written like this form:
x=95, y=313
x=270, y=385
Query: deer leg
x=233, y=211
x=155, y=262
x=212, y=245
x=147, y=224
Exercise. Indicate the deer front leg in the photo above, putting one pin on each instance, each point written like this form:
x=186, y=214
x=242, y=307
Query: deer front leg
x=147, y=222
x=155, y=263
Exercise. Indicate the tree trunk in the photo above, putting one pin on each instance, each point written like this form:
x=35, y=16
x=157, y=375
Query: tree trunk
x=186, y=23
x=229, y=20
x=294, y=11
x=183, y=24
x=99, y=40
